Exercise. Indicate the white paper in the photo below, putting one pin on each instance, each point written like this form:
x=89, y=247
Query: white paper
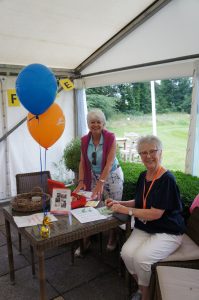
x=104, y=210
x=86, y=194
x=87, y=214
x=32, y=220
x=92, y=203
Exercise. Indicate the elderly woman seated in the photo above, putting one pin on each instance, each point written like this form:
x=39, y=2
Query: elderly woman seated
x=157, y=209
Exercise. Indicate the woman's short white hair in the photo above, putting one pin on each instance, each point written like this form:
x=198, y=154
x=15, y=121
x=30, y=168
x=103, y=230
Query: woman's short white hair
x=96, y=114
x=149, y=139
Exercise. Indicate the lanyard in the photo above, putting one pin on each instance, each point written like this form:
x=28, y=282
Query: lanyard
x=154, y=179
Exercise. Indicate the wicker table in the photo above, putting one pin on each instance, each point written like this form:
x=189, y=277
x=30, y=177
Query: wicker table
x=62, y=232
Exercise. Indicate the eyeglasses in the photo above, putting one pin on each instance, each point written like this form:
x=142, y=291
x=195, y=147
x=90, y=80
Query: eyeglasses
x=151, y=152
x=94, y=158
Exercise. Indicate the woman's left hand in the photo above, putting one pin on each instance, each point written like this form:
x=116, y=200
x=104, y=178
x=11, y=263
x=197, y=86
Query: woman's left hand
x=119, y=208
x=98, y=190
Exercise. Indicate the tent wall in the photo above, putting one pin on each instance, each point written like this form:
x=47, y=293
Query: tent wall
x=23, y=151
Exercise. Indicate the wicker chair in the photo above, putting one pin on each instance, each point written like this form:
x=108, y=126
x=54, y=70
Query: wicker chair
x=27, y=181
x=186, y=256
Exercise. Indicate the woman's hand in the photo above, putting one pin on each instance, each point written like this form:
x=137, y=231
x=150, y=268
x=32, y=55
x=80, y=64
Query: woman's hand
x=109, y=202
x=98, y=190
x=81, y=186
x=116, y=207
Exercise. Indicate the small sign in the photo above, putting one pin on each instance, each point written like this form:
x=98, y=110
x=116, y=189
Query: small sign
x=66, y=84
x=60, y=201
x=13, y=100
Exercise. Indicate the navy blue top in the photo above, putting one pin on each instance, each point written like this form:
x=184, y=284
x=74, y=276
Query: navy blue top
x=164, y=195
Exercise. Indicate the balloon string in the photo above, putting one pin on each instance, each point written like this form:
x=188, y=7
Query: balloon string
x=45, y=210
x=43, y=198
x=45, y=159
x=34, y=117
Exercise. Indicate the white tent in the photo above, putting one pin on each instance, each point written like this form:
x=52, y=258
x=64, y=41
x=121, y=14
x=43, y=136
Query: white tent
x=95, y=43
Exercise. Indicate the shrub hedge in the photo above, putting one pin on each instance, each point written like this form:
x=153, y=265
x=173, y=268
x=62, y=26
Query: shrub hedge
x=188, y=184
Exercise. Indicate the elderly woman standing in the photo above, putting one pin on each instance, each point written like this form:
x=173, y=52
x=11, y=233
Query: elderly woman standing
x=99, y=170
x=157, y=209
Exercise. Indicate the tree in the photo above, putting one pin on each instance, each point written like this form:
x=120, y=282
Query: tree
x=174, y=95
x=106, y=104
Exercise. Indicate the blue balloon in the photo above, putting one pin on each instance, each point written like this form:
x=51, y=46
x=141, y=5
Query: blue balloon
x=36, y=88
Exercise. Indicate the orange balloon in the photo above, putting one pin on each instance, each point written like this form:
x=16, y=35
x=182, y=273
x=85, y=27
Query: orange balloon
x=48, y=127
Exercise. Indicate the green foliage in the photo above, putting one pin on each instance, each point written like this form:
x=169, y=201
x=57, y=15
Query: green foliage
x=72, y=154
x=106, y=104
x=188, y=184
x=133, y=97
x=173, y=95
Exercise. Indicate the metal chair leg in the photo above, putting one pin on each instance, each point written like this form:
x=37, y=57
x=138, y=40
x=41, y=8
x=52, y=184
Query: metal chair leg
x=32, y=260
x=20, y=248
x=72, y=251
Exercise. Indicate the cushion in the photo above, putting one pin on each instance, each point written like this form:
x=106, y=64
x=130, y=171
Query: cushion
x=188, y=250
x=52, y=184
x=193, y=226
x=195, y=203
x=183, y=284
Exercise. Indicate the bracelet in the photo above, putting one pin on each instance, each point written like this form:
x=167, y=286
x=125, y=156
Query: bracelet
x=102, y=180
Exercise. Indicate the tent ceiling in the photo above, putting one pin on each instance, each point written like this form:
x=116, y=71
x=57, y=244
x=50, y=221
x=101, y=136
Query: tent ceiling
x=169, y=34
x=62, y=33
x=97, y=37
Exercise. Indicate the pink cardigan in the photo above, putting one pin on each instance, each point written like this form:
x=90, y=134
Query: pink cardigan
x=109, y=137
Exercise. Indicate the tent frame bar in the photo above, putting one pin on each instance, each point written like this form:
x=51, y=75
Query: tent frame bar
x=14, y=70
x=12, y=129
x=153, y=63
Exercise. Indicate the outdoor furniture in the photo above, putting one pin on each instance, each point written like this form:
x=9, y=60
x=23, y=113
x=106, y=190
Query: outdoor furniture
x=182, y=284
x=121, y=142
x=63, y=232
x=26, y=182
x=186, y=256
x=130, y=152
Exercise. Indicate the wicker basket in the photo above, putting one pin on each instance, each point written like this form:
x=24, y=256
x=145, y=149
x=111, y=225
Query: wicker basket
x=24, y=202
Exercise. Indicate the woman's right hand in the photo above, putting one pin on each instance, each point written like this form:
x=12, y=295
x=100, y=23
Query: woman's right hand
x=81, y=186
x=109, y=202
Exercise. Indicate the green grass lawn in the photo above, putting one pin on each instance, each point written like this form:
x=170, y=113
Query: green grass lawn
x=172, y=129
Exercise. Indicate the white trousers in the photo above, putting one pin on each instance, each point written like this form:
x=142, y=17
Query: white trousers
x=142, y=250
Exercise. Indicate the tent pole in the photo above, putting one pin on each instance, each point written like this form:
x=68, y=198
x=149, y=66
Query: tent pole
x=192, y=154
x=153, y=108
x=4, y=130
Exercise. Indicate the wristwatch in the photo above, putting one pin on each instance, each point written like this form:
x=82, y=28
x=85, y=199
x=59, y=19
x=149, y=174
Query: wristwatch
x=131, y=212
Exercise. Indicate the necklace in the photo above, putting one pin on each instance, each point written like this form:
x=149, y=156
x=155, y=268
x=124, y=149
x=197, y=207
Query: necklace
x=154, y=179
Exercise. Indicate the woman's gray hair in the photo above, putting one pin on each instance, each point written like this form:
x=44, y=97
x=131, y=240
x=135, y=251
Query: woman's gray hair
x=96, y=114
x=149, y=139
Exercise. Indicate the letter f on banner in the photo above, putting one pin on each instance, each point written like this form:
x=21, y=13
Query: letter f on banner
x=12, y=98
